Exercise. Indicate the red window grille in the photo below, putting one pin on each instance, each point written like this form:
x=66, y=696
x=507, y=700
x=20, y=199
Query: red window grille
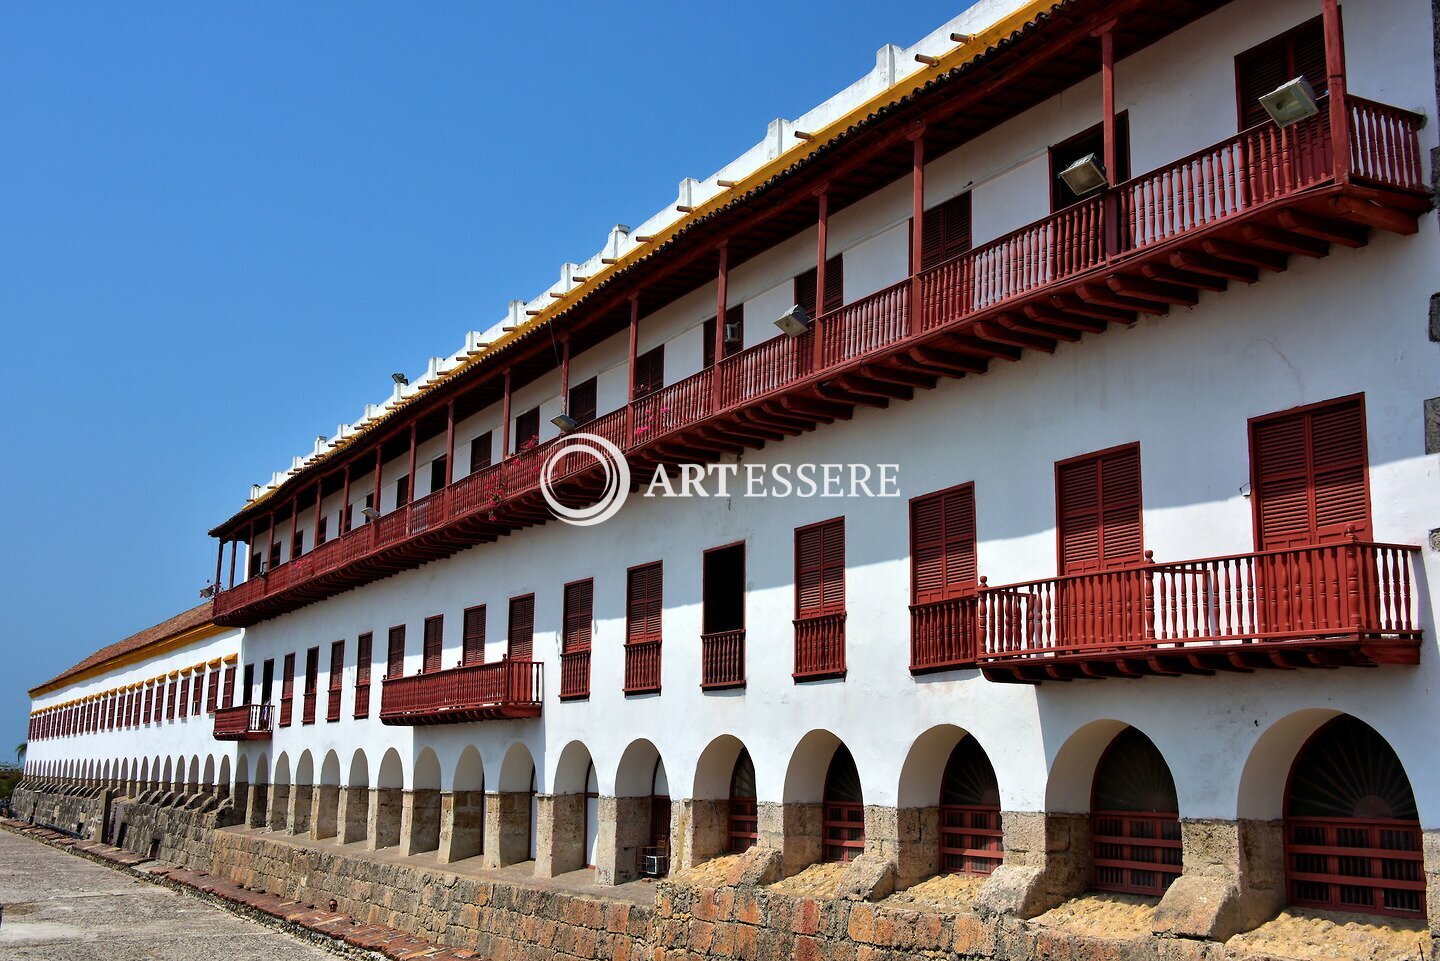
x=643, y=614
x=362, y=674
x=834, y=286
x=945, y=231
x=1298, y=52
x=472, y=645
x=520, y=641
x=395, y=652
x=650, y=371
x=1310, y=475
x=743, y=819
x=971, y=839
x=336, y=681
x=1099, y=510
x=481, y=452
x=942, y=579
x=820, y=600
x=843, y=810
x=312, y=680
x=583, y=403
x=227, y=696
x=575, y=640
x=212, y=693
x=1135, y=824
x=434, y=644
x=287, y=691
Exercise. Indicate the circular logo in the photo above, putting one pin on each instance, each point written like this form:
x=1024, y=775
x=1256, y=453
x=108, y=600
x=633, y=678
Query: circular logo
x=572, y=456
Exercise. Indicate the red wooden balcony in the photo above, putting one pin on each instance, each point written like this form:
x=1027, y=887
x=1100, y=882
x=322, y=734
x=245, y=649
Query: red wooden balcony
x=1347, y=604
x=1221, y=215
x=942, y=634
x=722, y=660
x=575, y=675
x=642, y=667
x=471, y=692
x=819, y=647
x=245, y=722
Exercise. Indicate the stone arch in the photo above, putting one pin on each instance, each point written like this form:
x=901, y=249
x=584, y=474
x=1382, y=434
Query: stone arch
x=280, y=794
x=807, y=777
x=518, y=809
x=465, y=819
x=1072, y=773
x=145, y=771
x=259, y=815
x=643, y=813
x=105, y=774
x=1134, y=818
x=192, y=783
x=325, y=822
x=469, y=770
x=224, y=784
x=387, y=806
x=724, y=815
x=330, y=769
x=302, y=794
x=574, y=814
x=1261, y=795
x=207, y=777
x=355, y=800
x=421, y=819
x=125, y=776
x=168, y=778
x=949, y=789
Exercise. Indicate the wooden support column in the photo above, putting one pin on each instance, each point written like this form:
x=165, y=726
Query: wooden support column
x=319, y=502
x=1112, y=147
x=410, y=498
x=219, y=562
x=449, y=443
x=722, y=306
x=345, y=504
x=505, y=423
x=379, y=463
x=233, y=550
x=565, y=374
x=1335, y=84
x=917, y=223
x=630, y=371
x=822, y=249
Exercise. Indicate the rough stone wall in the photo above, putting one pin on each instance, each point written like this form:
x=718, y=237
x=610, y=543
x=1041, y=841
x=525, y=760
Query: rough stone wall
x=175, y=829
x=501, y=921
x=74, y=810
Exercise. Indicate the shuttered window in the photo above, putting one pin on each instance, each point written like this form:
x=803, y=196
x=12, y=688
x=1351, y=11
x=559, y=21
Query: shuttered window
x=1099, y=510
x=942, y=544
x=212, y=695
x=336, y=679
x=579, y=614
x=582, y=402
x=363, y=655
x=945, y=231
x=1299, y=52
x=520, y=643
x=1309, y=475
x=402, y=491
x=227, y=696
x=650, y=371
x=184, y=701
x=395, y=652
x=820, y=569
x=527, y=429
x=734, y=335
x=472, y=645
x=287, y=691
x=434, y=642
x=439, y=467
x=197, y=693
x=312, y=680
x=834, y=286
x=247, y=684
x=481, y=449
x=643, y=601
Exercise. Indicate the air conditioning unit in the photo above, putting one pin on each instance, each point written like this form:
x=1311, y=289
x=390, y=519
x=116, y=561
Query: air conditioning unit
x=734, y=332
x=656, y=865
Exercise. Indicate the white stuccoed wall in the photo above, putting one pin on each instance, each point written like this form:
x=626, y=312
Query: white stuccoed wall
x=1183, y=386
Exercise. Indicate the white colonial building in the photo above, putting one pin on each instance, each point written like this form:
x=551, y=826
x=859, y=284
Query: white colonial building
x=1148, y=353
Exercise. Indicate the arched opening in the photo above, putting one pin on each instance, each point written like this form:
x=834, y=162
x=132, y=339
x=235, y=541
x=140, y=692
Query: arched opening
x=742, y=818
x=467, y=807
x=327, y=799
x=207, y=782
x=642, y=814
x=355, y=816
x=843, y=809
x=302, y=794
x=518, y=812
x=223, y=781
x=1135, y=819
x=592, y=815
x=1352, y=831
x=424, y=834
x=971, y=840
x=389, y=801
x=655, y=857
x=280, y=794
x=260, y=792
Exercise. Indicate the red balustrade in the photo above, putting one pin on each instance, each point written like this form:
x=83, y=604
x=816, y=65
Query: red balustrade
x=819, y=647
x=1385, y=143
x=244, y=722
x=865, y=326
x=722, y=659
x=1349, y=864
x=942, y=634
x=574, y=675
x=642, y=667
x=480, y=491
x=765, y=368
x=428, y=512
x=471, y=692
x=683, y=403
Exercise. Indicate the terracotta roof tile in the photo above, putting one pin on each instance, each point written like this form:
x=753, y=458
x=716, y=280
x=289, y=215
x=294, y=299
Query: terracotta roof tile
x=197, y=616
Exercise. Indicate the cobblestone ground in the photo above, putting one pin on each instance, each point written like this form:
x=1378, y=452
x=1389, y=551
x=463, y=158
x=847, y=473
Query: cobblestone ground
x=58, y=907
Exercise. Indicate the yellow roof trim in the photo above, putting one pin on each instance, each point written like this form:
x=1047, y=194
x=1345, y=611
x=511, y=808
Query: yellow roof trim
x=133, y=657
x=963, y=52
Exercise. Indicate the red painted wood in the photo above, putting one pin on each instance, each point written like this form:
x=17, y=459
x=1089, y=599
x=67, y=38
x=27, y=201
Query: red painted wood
x=433, y=643
x=1350, y=864
x=575, y=637
x=501, y=689
x=722, y=659
x=287, y=692
x=363, y=658
x=971, y=840
x=1135, y=852
x=312, y=681
x=337, y=681
x=472, y=649
x=247, y=722
x=644, y=610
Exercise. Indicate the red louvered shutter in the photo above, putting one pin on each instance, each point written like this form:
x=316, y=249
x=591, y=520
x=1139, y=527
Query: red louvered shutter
x=650, y=371
x=942, y=533
x=1310, y=475
x=579, y=616
x=212, y=695
x=834, y=283
x=1100, y=511
x=1299, y=52
x=644, y=595
x=197, y=692
x=227, y=696
x=185, y=696
x=583, y=404
x=521, y=641
x=481, y=449
x=945, y=231
x=527, y=429
x=287, y=691
x=395, y=652
x=472, y=650
x=363, y=656
x=820, y=569
x=434, y=641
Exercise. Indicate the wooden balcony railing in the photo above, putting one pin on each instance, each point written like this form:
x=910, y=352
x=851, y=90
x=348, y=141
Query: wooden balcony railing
x=1120, y=229
x=575, y=675
x=307, y=708
x=245, y=722
x=722, y=659
x=1333, y=604
x=332, y=705
x=642, y=667
x=942, y=634
x=472, y=692
x=819, y=647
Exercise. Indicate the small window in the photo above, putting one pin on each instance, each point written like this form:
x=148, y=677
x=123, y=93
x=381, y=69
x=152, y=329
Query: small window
x=527, y=430
x=942, y=545
x=312, y=680
x=247, y=690
x=297, y=545
x=287, y=691
x=1309, y=475
x=578, y=616
x=274, y=555
x=582, y=402
x=395, y=653
x=643, y=603
x=724, y=589
x=267, y=681
x=650, y=371
x=820, y=569
x=320, y=537
x=402, y=491
x=256, y=560
x=734, y=335
x=1099, y=510
x=434, y=642
x=335, y=681
x=1299, y=52
x=363, y=653
x=834, y=286
x=439, y=471
x=480, y=452
x=945, y=231
x=1091, y=141
x=520, y=643
x=369, y=503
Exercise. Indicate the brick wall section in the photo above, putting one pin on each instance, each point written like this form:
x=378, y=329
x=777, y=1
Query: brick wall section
x=501, y=921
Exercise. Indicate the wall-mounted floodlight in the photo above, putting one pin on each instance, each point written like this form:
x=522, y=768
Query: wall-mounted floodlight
x=370, y=513
x=400, y=379
x=1084, y=176
x=794, y=321
x=1290, y=102
x=566, y=423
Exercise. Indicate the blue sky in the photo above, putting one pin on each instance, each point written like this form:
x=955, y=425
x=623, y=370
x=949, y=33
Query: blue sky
x=223, y=225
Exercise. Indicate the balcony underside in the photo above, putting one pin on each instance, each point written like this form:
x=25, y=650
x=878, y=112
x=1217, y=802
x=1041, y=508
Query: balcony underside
x=242, y=736
x=1326, y=653
x=462, y=715
x=890, y=361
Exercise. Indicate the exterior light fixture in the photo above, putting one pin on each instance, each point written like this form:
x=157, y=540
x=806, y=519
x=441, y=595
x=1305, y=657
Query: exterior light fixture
x=566, y=423
x=794, y=321
x=1084, y=176
x=370, y=513
x=400, y=379
x=1290, y=102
